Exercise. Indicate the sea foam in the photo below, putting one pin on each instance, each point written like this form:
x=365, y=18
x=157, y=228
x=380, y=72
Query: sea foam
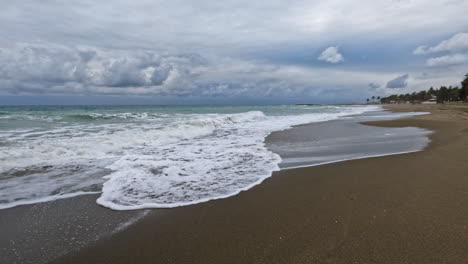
x=160, y=161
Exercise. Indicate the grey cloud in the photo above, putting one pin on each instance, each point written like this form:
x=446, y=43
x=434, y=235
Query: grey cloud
x=39, y=69
x=160, y=74
x=398, y=82
x=208, y=25
x=374, y=85
x=55, y=69
x=184, y=48
x=35, y=67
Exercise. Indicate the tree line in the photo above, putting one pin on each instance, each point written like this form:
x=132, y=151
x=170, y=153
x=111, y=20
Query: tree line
x=442, y=94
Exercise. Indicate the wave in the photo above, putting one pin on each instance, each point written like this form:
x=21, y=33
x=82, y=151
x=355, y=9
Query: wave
x=210, y=168
x=164, y=162
x=85, y=117
x=73, y=142
x=116, y=116
x=54, y=117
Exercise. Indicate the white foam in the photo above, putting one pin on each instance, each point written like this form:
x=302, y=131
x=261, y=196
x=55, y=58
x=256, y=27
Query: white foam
x=231, y=160
x=46, y=183
x=165, y=162
x=44, y=199
x=68, y=143
x=351, y=158
x=131, y=221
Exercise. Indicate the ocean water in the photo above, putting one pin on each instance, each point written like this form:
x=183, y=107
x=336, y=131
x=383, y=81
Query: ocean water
x=143, y=156
x=346, y=139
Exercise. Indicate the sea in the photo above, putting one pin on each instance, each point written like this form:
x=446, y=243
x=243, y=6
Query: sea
x=138, y=157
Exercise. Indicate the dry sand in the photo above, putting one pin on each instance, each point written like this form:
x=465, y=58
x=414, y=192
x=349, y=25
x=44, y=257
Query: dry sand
x=409, y=208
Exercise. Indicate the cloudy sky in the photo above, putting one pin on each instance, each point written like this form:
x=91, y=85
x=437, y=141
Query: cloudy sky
x=231, y=51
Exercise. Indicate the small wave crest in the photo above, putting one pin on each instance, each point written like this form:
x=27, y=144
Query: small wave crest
x=116, y=116
x=85, y=117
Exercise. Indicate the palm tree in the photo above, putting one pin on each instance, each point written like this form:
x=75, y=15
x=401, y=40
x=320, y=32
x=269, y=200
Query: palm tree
x=464, y=89
x=367, y=100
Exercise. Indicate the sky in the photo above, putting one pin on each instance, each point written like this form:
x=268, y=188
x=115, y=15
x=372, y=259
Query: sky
x=227, y=52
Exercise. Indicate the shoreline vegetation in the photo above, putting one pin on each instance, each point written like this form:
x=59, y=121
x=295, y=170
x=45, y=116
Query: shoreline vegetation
x=441, y=95
x=408, y=208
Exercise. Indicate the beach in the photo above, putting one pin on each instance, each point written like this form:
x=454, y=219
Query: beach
x=408, y=208
x=250, y=132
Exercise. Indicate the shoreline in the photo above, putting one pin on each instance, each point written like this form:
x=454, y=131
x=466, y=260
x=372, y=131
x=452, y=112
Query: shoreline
x=344, y=139
x=81, y=193
x=115, y=228
x=408, y=208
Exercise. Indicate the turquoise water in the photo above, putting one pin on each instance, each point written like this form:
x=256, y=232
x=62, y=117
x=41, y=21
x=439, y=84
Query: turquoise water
x=21, y=115
x=47, y=117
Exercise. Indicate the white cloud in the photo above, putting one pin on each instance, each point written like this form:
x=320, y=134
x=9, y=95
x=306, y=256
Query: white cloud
x=455, y=43
x=421, y=50
x=449, y=60
x=331, y=55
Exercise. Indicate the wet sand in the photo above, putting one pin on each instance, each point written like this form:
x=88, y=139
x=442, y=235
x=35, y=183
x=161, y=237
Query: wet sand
x=408, y=208
x=345, y=139
x=39, y=233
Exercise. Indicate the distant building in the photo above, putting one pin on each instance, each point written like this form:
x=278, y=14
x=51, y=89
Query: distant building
x=432, y=100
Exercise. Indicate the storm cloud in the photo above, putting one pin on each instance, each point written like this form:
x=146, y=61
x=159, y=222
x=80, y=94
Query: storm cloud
x=59, y=69
x=239, y=49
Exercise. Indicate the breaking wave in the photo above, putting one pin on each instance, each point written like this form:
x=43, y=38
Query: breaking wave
x=164, y=162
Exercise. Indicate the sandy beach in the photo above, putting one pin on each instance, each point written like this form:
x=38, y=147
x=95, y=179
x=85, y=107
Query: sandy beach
x=250, y=132
x=409, y=208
